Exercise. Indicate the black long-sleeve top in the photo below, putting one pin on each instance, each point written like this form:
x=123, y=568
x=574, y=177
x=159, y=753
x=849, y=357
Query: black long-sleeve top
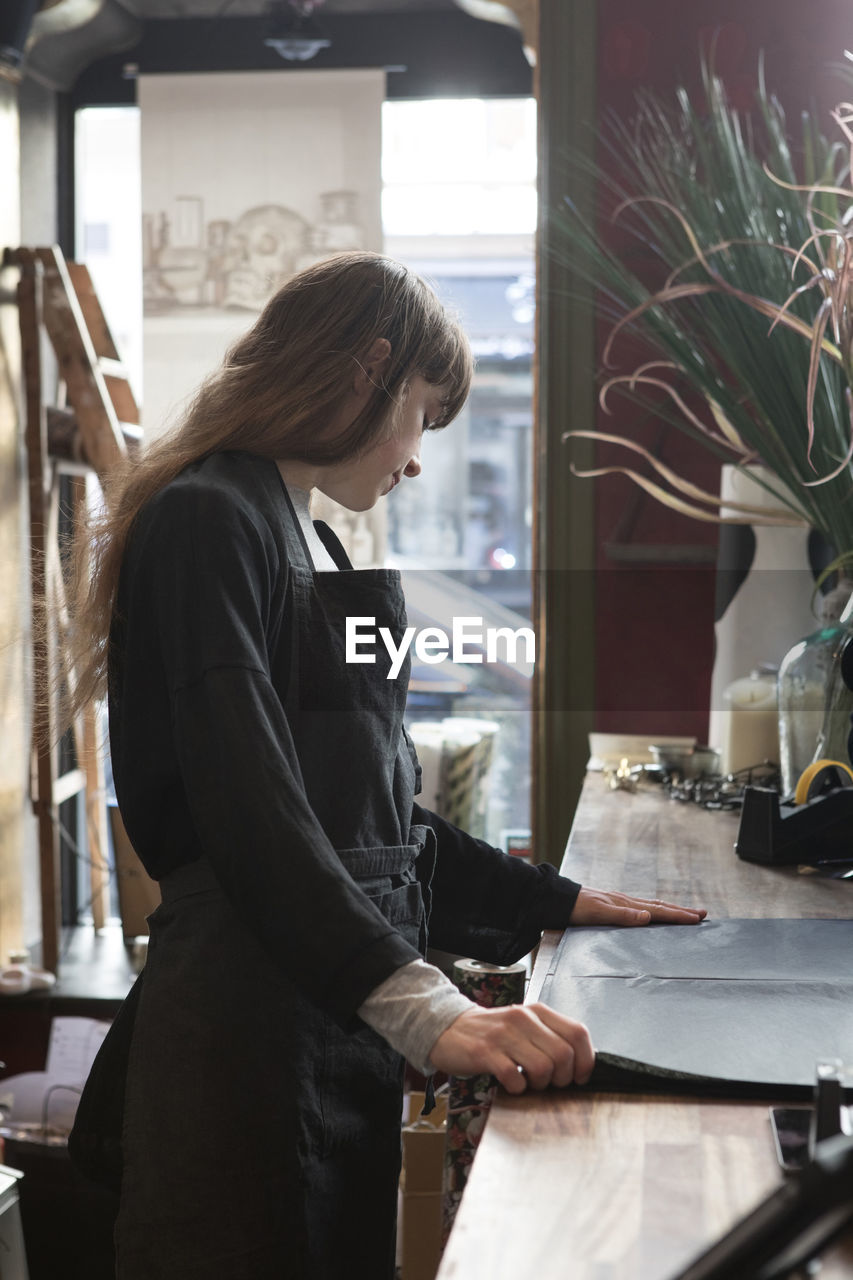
x=205, y=765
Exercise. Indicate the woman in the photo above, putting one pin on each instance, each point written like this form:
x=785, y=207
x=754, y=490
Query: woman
x=270, y=787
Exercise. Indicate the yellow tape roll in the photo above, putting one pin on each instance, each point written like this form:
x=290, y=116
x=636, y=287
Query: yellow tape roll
x=811, y=779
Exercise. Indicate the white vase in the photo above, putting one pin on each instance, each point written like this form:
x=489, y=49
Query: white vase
x=771, y=606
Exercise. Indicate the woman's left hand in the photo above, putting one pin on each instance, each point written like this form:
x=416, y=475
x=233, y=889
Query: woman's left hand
x=600, y=906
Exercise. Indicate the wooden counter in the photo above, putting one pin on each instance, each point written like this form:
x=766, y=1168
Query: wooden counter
x=575, y=1186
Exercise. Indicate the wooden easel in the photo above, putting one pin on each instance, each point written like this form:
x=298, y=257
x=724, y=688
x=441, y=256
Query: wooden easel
x=90, y=433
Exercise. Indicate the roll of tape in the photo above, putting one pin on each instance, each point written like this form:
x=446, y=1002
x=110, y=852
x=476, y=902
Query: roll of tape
x=813, y=778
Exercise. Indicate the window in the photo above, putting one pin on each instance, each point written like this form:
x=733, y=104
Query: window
x=107, y=221
x=459, y=206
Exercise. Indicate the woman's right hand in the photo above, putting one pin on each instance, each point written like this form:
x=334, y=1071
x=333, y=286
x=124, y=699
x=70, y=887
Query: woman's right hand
x=520, y=1044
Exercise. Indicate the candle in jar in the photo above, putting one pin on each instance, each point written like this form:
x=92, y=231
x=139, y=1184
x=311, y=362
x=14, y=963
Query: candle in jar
x=751, y=725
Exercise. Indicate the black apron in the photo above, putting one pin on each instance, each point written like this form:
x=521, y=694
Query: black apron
x=261, y=1141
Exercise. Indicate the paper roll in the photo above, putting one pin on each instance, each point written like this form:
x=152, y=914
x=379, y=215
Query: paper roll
x=492, y=985
x=477, y=798
x=469, y=1099
x=456, y=757
x=459, y=774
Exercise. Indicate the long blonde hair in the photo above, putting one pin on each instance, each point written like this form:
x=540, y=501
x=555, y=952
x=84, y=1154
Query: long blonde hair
x=277, y=388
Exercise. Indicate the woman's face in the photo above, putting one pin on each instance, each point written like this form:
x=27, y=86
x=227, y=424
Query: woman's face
x=359, y=483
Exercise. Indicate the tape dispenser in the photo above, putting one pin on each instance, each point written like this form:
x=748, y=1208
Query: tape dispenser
x=814, y=826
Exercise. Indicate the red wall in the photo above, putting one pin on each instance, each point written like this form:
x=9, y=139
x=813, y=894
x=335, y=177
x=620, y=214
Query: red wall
x=654, y=623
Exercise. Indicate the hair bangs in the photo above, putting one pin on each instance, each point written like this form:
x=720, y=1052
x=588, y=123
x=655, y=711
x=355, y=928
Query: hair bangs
x=450, y=367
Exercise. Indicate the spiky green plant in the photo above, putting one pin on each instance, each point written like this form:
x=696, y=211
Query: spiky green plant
x=737, y=275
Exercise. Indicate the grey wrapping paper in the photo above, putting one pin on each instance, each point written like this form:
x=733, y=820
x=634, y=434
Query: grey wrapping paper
x=731, y=1006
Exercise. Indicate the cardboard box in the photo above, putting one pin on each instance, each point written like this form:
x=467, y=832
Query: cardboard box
x=420, y=1181
x=421, y=1227
x=415, y=1105
x=423, y=1159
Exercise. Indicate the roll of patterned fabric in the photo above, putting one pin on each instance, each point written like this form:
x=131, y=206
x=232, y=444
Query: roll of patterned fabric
x=492, y=985
x=469, y=1098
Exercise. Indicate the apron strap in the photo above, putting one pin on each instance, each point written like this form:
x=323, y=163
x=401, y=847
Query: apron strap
x=333, y=544
x=300, y=559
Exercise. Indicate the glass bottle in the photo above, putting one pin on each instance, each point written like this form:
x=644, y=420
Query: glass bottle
x=815, y=703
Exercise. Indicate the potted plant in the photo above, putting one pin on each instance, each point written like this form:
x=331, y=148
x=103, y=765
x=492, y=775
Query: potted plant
x=734, y=272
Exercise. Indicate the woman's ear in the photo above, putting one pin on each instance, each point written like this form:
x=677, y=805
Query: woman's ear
x=370, y=373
